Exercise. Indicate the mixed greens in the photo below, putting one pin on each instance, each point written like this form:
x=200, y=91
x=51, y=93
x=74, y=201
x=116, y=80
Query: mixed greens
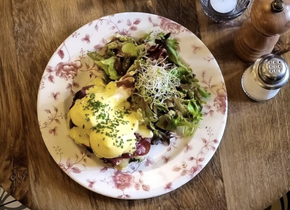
x=165, y=91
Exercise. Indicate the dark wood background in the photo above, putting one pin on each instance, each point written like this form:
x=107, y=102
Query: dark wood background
x=249, y=171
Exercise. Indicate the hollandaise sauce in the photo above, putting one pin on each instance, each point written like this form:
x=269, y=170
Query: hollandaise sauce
x=104, y=122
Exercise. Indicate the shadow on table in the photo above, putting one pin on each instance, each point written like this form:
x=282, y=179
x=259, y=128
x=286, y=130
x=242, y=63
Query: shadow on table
x=231, y=66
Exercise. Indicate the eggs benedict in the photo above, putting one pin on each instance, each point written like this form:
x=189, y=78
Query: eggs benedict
x=101, y=119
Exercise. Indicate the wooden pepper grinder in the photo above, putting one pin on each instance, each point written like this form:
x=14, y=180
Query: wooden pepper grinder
x=259, y=34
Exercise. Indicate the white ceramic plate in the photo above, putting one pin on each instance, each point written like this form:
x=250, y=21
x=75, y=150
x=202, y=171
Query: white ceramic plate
x=166, y=167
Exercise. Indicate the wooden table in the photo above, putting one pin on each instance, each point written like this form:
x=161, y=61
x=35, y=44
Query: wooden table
x=249, y=171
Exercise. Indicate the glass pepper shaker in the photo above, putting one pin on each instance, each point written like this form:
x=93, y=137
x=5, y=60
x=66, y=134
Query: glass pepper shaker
x=263, y=80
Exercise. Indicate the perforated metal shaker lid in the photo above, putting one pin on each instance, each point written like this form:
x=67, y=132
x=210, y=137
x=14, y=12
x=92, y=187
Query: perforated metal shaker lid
x=272, y=72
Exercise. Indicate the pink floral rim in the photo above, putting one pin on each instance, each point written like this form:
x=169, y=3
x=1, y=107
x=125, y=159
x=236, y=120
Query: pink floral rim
x=166, y=167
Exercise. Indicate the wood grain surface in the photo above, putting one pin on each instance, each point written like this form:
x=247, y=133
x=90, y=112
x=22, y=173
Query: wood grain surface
x=250, y=169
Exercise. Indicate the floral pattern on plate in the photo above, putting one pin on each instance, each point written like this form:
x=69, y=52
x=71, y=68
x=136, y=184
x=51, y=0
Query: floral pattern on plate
x=165, y=168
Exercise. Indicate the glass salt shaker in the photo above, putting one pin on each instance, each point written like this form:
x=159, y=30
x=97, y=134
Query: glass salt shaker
x=263, y=80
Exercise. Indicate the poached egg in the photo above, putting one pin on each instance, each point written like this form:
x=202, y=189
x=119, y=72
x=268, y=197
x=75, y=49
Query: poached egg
x=104, y=121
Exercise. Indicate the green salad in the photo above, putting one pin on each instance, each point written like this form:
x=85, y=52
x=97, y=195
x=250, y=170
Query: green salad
x=165, y=91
